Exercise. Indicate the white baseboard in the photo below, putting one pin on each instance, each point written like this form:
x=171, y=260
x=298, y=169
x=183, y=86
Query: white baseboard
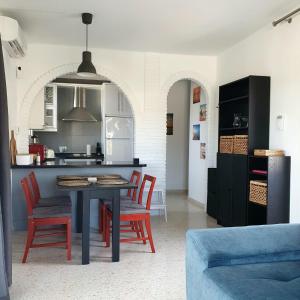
x=197, y=203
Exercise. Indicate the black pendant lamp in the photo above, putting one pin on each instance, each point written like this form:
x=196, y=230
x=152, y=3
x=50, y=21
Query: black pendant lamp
x=86, y=68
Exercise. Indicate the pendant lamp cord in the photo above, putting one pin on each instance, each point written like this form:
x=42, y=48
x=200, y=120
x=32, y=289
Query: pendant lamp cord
x=86, y=37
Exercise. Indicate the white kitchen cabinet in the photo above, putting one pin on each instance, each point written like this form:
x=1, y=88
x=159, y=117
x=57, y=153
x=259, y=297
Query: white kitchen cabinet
x=43, y=115
x=115, y=103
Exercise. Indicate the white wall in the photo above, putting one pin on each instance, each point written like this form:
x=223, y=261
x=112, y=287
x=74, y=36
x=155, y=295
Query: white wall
x=178, y=143
x=274, y=52
x=11, y=83
x=145, y=78
x=197, y=167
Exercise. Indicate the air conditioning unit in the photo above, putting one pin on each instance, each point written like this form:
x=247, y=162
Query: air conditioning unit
x=12, y=37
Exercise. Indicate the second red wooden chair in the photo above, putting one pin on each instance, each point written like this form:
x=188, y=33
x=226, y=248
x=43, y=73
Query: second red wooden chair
x=137, y=213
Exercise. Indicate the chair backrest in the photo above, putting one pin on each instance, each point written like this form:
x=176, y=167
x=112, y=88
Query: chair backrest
x=152, y=181
x=134, y=179
x=28, y=195
x=35, y=187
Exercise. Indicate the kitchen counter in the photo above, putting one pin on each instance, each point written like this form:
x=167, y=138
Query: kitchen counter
x=60, y=163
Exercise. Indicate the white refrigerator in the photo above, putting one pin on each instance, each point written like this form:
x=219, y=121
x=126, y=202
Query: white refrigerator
x=118, y=139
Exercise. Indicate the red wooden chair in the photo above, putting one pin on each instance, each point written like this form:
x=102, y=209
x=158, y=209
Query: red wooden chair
x=45, y=202
x=45, y=216
x=137, y=213
x=131, y=196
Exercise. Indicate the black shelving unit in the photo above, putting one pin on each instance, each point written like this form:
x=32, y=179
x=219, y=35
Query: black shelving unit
x=250, y=97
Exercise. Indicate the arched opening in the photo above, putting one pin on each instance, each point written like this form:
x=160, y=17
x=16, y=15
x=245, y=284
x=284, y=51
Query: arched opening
x=196, y=181
x=106, y=117
x=187, y=139
x=41, y=81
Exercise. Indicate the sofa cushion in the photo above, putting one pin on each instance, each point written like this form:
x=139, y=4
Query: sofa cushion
x=277, y=280
x=245, y=245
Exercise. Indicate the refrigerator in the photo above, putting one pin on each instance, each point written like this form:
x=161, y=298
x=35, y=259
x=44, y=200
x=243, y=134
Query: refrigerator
x=118, y=139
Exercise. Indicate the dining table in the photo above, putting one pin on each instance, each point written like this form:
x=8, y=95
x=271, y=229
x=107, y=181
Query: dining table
x=84, y=195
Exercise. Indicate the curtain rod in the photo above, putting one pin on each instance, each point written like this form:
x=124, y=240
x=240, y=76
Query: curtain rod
x=287, y=18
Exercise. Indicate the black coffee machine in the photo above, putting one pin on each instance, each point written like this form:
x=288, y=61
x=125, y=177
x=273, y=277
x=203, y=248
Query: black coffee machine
x=99, y=154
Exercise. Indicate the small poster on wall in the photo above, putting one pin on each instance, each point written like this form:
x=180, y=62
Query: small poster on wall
x=196, y=132
x=202, y=150
x=196, y=94
x=170, y=123
x=203, y=112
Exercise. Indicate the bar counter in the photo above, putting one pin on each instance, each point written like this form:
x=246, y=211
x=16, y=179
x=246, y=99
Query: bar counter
x=60, y=163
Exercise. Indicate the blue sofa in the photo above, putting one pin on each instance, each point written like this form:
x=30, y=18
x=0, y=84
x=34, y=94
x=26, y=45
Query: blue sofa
x=255, y=262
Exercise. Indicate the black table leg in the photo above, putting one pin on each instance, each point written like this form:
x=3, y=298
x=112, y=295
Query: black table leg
x=116, y=226
x=79, y=212
x=86, y=228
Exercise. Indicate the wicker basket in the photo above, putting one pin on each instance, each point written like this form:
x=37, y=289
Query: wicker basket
x=240, y=144
x=258, y=192
x=226, y=144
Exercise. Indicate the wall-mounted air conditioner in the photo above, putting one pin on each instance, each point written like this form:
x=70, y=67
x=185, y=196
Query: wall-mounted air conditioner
x=12, y=37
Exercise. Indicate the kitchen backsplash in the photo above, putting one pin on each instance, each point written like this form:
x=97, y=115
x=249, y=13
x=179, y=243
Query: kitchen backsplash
x=74, y=135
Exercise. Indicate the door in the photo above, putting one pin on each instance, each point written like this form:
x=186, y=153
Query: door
x=239, y=190
x=119, y=128
x=224, y=189
x=119, y=150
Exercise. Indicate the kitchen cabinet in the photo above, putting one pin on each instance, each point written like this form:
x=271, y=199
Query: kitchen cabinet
x=114, y=101
x=43, y=115
x=232, y=189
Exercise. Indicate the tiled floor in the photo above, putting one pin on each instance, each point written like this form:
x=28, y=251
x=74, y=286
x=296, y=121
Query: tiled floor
x=139, y=275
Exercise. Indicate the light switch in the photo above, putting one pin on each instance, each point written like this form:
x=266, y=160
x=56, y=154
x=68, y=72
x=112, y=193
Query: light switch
x=280, y=122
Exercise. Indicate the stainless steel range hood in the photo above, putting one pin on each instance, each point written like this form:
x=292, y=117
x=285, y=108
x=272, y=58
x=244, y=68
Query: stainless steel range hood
x=79, y=112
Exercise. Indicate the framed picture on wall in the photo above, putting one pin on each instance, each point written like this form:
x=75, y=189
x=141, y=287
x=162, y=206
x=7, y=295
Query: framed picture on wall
x=202, y=112
x=196, y=132
x=202, y=150
x=196, y=94
x=170, y=117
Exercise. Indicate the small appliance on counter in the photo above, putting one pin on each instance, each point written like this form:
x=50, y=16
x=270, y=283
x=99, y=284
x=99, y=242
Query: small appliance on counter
x=33, y=138
x=50, y=154
x=38, y=149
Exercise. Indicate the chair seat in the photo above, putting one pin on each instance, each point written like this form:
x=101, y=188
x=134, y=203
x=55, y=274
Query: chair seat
x=131, y=208
x=123, y=199
x=54, y=201
x=51, y=212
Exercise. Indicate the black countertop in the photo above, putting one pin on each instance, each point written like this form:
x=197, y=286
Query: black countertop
x=60, y=163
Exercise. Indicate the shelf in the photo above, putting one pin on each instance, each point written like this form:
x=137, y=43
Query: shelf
x=258, y=204
x=234, y=99
x=233, y=128
x=261, y=175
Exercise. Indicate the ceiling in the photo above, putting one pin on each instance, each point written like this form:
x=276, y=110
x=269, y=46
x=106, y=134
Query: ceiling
x=171, y=26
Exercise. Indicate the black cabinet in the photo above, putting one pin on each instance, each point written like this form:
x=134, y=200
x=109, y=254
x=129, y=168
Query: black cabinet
x=244, y=110
x=277, y=176
x=212, y=205
x=232, y=189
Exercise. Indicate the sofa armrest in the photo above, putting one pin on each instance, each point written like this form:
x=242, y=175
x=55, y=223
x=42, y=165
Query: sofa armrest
x=244, y=245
